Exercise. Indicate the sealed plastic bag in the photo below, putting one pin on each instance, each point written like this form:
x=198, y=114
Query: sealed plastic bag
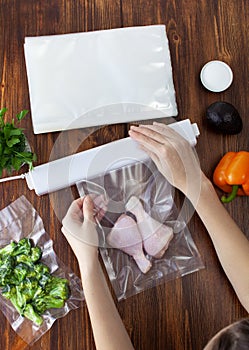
x=145, y=183
x=19, y=220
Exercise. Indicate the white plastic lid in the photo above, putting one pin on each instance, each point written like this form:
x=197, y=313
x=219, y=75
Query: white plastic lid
x=216, y=76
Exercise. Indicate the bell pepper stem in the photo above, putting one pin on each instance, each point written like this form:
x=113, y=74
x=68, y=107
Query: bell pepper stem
x=231, y=196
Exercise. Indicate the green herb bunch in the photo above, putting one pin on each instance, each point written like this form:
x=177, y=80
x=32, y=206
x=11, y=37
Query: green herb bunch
x=13, y=152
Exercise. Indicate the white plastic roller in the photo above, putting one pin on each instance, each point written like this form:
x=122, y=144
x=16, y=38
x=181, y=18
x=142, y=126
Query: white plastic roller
x=67, y=171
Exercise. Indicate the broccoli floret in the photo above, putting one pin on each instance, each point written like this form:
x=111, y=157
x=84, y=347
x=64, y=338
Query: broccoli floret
x=20, y=272
x=38, y=292
x=45, y=302
x=44, y=280
x=22, y=247
x=28, y=288
x=35, y=254
x=7, y=291
x=31, y=273
x=20, y=299
x=8, y=249
x=25, y=259
x=42, y=273
x=53, y=296
x=17, y=275
x=57, y=288
x=41, y=270
x=11, y=293
x=30, y=313
x=7, y=264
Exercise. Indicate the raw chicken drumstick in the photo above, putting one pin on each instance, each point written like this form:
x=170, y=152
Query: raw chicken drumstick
x=126, y=237
x=156, y=236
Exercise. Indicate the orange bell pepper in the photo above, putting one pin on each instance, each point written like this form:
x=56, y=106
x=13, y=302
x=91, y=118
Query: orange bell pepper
x=232, y=175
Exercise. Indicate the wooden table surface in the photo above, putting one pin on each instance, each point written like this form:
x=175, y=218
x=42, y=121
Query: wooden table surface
x=183, y=313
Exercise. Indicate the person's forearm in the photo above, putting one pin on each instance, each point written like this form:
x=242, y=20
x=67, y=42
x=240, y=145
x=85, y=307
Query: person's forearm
x=108, y=329
x=230, y=243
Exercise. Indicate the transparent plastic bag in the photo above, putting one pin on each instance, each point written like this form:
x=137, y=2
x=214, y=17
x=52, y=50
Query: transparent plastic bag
x=146, y=183
x=19, y=220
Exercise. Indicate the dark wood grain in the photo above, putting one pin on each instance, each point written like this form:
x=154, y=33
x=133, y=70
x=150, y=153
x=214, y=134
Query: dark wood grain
x=183, y=313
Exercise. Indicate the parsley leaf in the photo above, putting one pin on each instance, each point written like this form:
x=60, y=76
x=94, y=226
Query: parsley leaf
x=13, y=149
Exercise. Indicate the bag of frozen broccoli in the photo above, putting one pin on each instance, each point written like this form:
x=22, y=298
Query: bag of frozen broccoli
x=35, y=287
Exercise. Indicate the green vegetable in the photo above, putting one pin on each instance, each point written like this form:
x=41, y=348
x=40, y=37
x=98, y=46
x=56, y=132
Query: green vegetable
x=45, y=302
x=20, y=272
x=41, y=270
x=28, y=288
x=22, y=247
x=27, y=283
x=8, y=249
x=30, y=313
x=57, y=287
x=34, y=255
x=10, y=293
x=13, y=153
x=6, y=269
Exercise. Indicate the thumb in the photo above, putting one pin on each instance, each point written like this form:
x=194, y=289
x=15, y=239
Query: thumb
x=88, y=208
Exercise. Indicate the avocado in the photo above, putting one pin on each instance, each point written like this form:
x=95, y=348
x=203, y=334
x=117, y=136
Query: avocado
x=224, y=118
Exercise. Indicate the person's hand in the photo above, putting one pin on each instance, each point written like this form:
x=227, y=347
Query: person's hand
x=172, y=154
x=79, y=228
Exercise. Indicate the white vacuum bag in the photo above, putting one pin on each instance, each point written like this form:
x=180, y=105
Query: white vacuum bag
x=101, y=77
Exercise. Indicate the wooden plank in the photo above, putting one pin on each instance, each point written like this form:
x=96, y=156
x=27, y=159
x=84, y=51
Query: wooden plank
x=179, y=314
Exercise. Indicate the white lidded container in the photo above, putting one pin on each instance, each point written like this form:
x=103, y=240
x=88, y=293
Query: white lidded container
x=216, y=76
